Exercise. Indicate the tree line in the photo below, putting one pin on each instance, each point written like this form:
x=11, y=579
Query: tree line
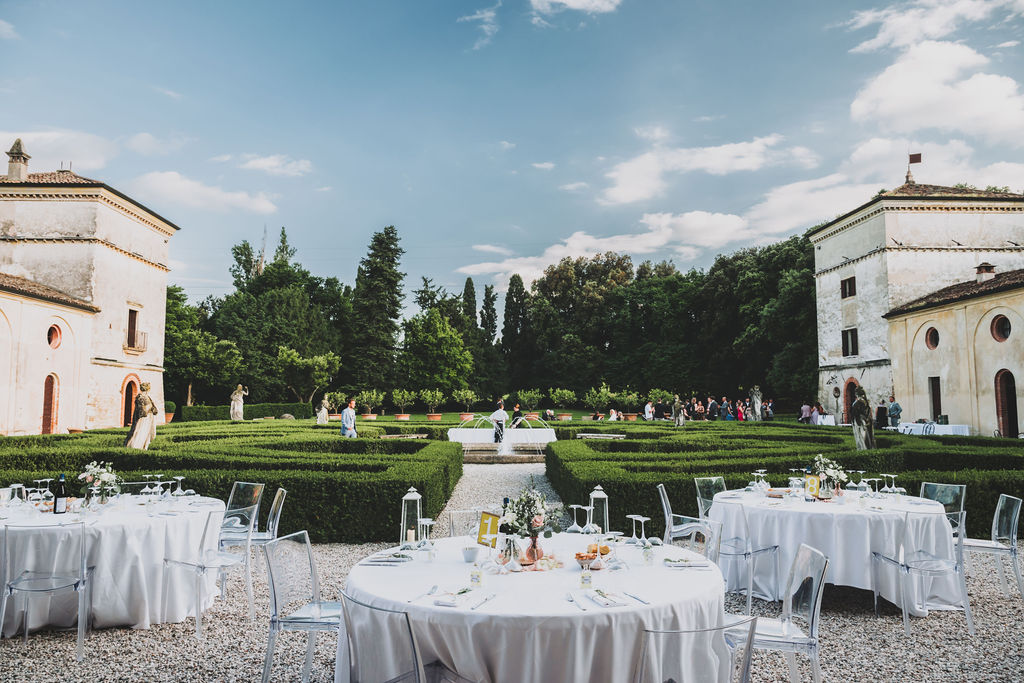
x=586, y=322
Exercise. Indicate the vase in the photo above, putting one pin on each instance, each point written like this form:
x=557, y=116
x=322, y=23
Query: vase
x=510, y=551
x=533, y=552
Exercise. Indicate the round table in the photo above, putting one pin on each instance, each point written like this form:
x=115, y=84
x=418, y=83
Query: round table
x=529, y=631
x=127, y=543
x=847, y=530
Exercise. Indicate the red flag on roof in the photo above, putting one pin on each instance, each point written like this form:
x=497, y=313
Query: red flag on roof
x=915, y=158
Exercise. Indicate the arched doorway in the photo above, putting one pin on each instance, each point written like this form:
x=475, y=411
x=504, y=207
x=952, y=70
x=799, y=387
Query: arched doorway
x=49, y=405
x=849, y=396
x=1006, y=404
x=128, y=406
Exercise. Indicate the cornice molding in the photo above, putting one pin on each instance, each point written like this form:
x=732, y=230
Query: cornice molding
x=88, y=194
x=906, y=205
x=84, y=240
x=914, y=248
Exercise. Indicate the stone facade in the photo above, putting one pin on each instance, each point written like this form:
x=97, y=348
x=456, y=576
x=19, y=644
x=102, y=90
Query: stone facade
x=79, y=255
x=898, y=247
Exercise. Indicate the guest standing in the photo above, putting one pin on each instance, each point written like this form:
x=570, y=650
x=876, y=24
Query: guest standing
x=712, y=408
x=895, y=410
x=143, y=420
x=348, y=420
x=498, y=418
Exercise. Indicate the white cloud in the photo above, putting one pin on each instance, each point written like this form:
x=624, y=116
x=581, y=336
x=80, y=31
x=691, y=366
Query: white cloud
x=325, y=188
x=488, y=24
x=7, y=31
x=493, y=249
x=588, y=6
x=168, y=92
x=708, y=118
x=910, y=23
x=1008, y=44
x=928, y=86
x=544, y=165
x=173, y=188
x=643, y=176
x=277, y=164
x=87, y=152
x=574, y=187
x=147, y=144
x=506, y=145
x=221, y=158
x=652, y=133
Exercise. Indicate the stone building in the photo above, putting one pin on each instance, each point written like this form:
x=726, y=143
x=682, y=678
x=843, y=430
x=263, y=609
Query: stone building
x=896, y=248
x=83, y=280
x=959, y=352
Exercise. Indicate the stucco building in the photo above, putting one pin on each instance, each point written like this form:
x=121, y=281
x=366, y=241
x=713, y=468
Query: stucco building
x=83, y=280
x=898, y=247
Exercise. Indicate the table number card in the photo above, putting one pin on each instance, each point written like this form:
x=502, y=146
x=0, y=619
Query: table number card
x=488, y=526
x=812, y=485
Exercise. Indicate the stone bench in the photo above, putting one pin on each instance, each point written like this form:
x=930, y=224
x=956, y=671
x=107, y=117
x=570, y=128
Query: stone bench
x=403, y=436
x=600, y=436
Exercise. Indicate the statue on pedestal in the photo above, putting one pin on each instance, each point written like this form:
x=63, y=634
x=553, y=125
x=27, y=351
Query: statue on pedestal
x=237, y=401
x=143, y=420
x=863, y=426
x=755, y=404
x=322, y=411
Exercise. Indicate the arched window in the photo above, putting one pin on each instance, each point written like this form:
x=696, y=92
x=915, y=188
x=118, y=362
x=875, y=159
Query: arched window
x=129, y=390
x=1006, y=404
x=50, y=390
x=849, y=396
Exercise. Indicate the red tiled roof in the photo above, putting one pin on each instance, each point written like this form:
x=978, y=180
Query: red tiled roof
x=1011, y=279
x=53, y=178
x=20, y=285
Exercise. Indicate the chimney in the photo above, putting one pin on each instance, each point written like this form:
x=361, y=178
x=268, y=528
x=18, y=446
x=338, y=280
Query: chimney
x=986, y=271
x=17, y=167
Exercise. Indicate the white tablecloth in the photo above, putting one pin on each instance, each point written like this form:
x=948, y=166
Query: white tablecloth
x=512, y=436
x=942, y=430
x=829, y=420
x=846, y=533
x=127, y=547
x=530, y=633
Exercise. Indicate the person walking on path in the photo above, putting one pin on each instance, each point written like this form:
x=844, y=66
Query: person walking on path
x=348, y=420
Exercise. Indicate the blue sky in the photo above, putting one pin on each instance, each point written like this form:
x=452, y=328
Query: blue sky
x=501, y=136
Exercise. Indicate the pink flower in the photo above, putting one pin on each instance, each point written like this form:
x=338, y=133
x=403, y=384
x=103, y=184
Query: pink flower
x=537, y=521
x=88, y=478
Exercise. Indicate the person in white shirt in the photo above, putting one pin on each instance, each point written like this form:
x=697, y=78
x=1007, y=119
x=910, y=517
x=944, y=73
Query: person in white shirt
x=649, y=411
x=612, y=415
x=498, y=418
x=348, y=420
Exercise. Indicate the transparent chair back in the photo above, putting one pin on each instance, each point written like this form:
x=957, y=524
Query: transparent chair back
x=241, y=519
x=706, y=532
x=697, y=656
x=804, y=588
x=707, y=487
x=1006, y=519
x=276, y=508
x=382, y=645
x=463, y=522
x=952, y=497
x=294, y=584
x=666, y=508
x=244, y=494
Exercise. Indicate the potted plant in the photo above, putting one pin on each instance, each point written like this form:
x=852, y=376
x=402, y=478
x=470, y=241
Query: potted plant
x=402, y=398
x=336, y=401
x=629, y=400
x=598, y=399
x=563, y=398
x=433, y=398
x=369, y=398
x=169, y=408
x=466, y=397
x=528, y=399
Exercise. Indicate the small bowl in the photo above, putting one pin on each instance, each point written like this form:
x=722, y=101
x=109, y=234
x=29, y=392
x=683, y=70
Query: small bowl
x=469, y=553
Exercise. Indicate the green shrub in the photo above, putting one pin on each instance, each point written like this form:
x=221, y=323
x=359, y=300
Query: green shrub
x=170, y=406
x=370, y=399
x=251, y=411
x=432, y=398
x=563, y=398
x=403, y=398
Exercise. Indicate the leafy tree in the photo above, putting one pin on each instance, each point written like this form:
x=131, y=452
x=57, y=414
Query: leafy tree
x=489, y=314
x=284, y=252
x=304, y=376
x=629, y=401
x=432, y=398
x=370, y=399
x=598, y=398
x=403, y=398
x=433, y=353
x=427, y=296
x=466, y=397
x=376, y=305
x=563, y=398
x=516, y=342
x=529, y=398
x=197, y=365
x=469, y=302
x=244, y=268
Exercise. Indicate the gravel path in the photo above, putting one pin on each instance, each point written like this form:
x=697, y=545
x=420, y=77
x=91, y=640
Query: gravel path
x=855, y=645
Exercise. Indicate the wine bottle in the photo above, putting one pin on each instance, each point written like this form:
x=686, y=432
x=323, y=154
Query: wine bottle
x=60, y=500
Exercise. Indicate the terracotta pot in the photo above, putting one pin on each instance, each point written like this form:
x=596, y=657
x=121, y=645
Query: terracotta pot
x=532, y=416
x=334, y=416
x=630, y=417
x=369, y=416
x=74, y=430
x=168, y=417
x=404, y=417
x=466, y=416
x=434, y=417
x=565, y=417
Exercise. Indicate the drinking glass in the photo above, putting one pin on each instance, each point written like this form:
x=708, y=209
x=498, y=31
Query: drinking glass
x=643, y=534
x=889, y=488
x=146, y=490
x=898, y=490
x=633, y=540
x=35, y=495
x=179, y=491
x=575, y=527
x=17, y=495
x=590, y=527
x=158, y=486
x=48, y=497
x=425, y=523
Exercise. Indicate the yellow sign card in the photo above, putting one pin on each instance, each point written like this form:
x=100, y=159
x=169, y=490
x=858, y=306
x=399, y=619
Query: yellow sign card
x=488, y=526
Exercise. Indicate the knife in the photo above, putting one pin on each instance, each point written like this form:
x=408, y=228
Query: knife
x=492, y=595
x=637, y=598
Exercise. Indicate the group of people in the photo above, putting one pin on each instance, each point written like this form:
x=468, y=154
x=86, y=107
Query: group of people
x=811, y=414
x=697, y=410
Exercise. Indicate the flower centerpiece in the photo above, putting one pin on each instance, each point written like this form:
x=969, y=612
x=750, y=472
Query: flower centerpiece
x=524, y=516
x=100, y=475
x=830, y=471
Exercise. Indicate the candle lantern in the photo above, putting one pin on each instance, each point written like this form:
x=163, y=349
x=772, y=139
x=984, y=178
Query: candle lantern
x=599, y=502
x=412, y=510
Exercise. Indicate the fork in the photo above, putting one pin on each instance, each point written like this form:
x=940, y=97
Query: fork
x=423, y=595
x=573, y=600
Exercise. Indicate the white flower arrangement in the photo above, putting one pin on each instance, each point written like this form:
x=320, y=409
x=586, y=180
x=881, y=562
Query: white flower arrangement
x=100, y=474
x=526, y=515
x=826, y=468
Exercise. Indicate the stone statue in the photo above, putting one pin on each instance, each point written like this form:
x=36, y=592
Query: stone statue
x=863, y=425
x=237, y=401
x=755, y=404
x=321, y=412
x=143, y=421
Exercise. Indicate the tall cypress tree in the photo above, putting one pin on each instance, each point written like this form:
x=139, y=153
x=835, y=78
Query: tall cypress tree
x=516, y=341
x=489, y=314
x=376, y=305
x=469, y=302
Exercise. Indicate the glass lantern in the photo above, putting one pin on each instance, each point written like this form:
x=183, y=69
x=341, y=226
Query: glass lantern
x=599, y=501
x=412, y=510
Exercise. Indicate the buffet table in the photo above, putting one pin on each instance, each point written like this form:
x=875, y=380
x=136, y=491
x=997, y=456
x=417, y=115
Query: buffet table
x=127, y=543
x=846, y=529
x=932, y=428
x=526, y=435
x=529, y=632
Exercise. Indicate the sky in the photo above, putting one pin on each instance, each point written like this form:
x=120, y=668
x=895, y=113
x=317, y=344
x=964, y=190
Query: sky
x=501, y=136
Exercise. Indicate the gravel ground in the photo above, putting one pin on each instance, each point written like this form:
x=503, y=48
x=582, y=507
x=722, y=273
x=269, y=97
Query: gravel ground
x=855, y=645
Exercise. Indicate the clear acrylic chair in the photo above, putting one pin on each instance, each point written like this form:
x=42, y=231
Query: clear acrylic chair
x=295, y=603
x=952, y=497
x=63, y=571
x=707, y=487
x=697, y=656
x=232, y=536
x=209, y=558
x=463, y=522
x=736, y=548
x=1003, y=541
x=912, y=560
x=796, y=632
x=681, y=527
x=367, y=628
x=243, y=494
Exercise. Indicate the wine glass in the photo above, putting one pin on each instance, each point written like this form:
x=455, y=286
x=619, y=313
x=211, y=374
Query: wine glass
x=146, y=490
x=643, y=534
x=48, y=497
x=35, y=495
x=590, y=527
x=633, y=540
x=513, y=561
x=889, y=487
x=425, y=524
x=18, y=495
x=898, y=490
x=179, y=491
x=158, y=486
x=575, y=527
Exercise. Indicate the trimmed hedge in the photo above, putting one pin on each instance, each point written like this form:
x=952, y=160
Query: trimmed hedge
x=250, y=411
x=630, y=469
x=340, y=490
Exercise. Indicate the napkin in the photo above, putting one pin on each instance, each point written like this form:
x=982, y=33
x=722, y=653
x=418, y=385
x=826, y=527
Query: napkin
x=453, y=598
x=684, y=563
x=390, y=557
x=605, y=599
